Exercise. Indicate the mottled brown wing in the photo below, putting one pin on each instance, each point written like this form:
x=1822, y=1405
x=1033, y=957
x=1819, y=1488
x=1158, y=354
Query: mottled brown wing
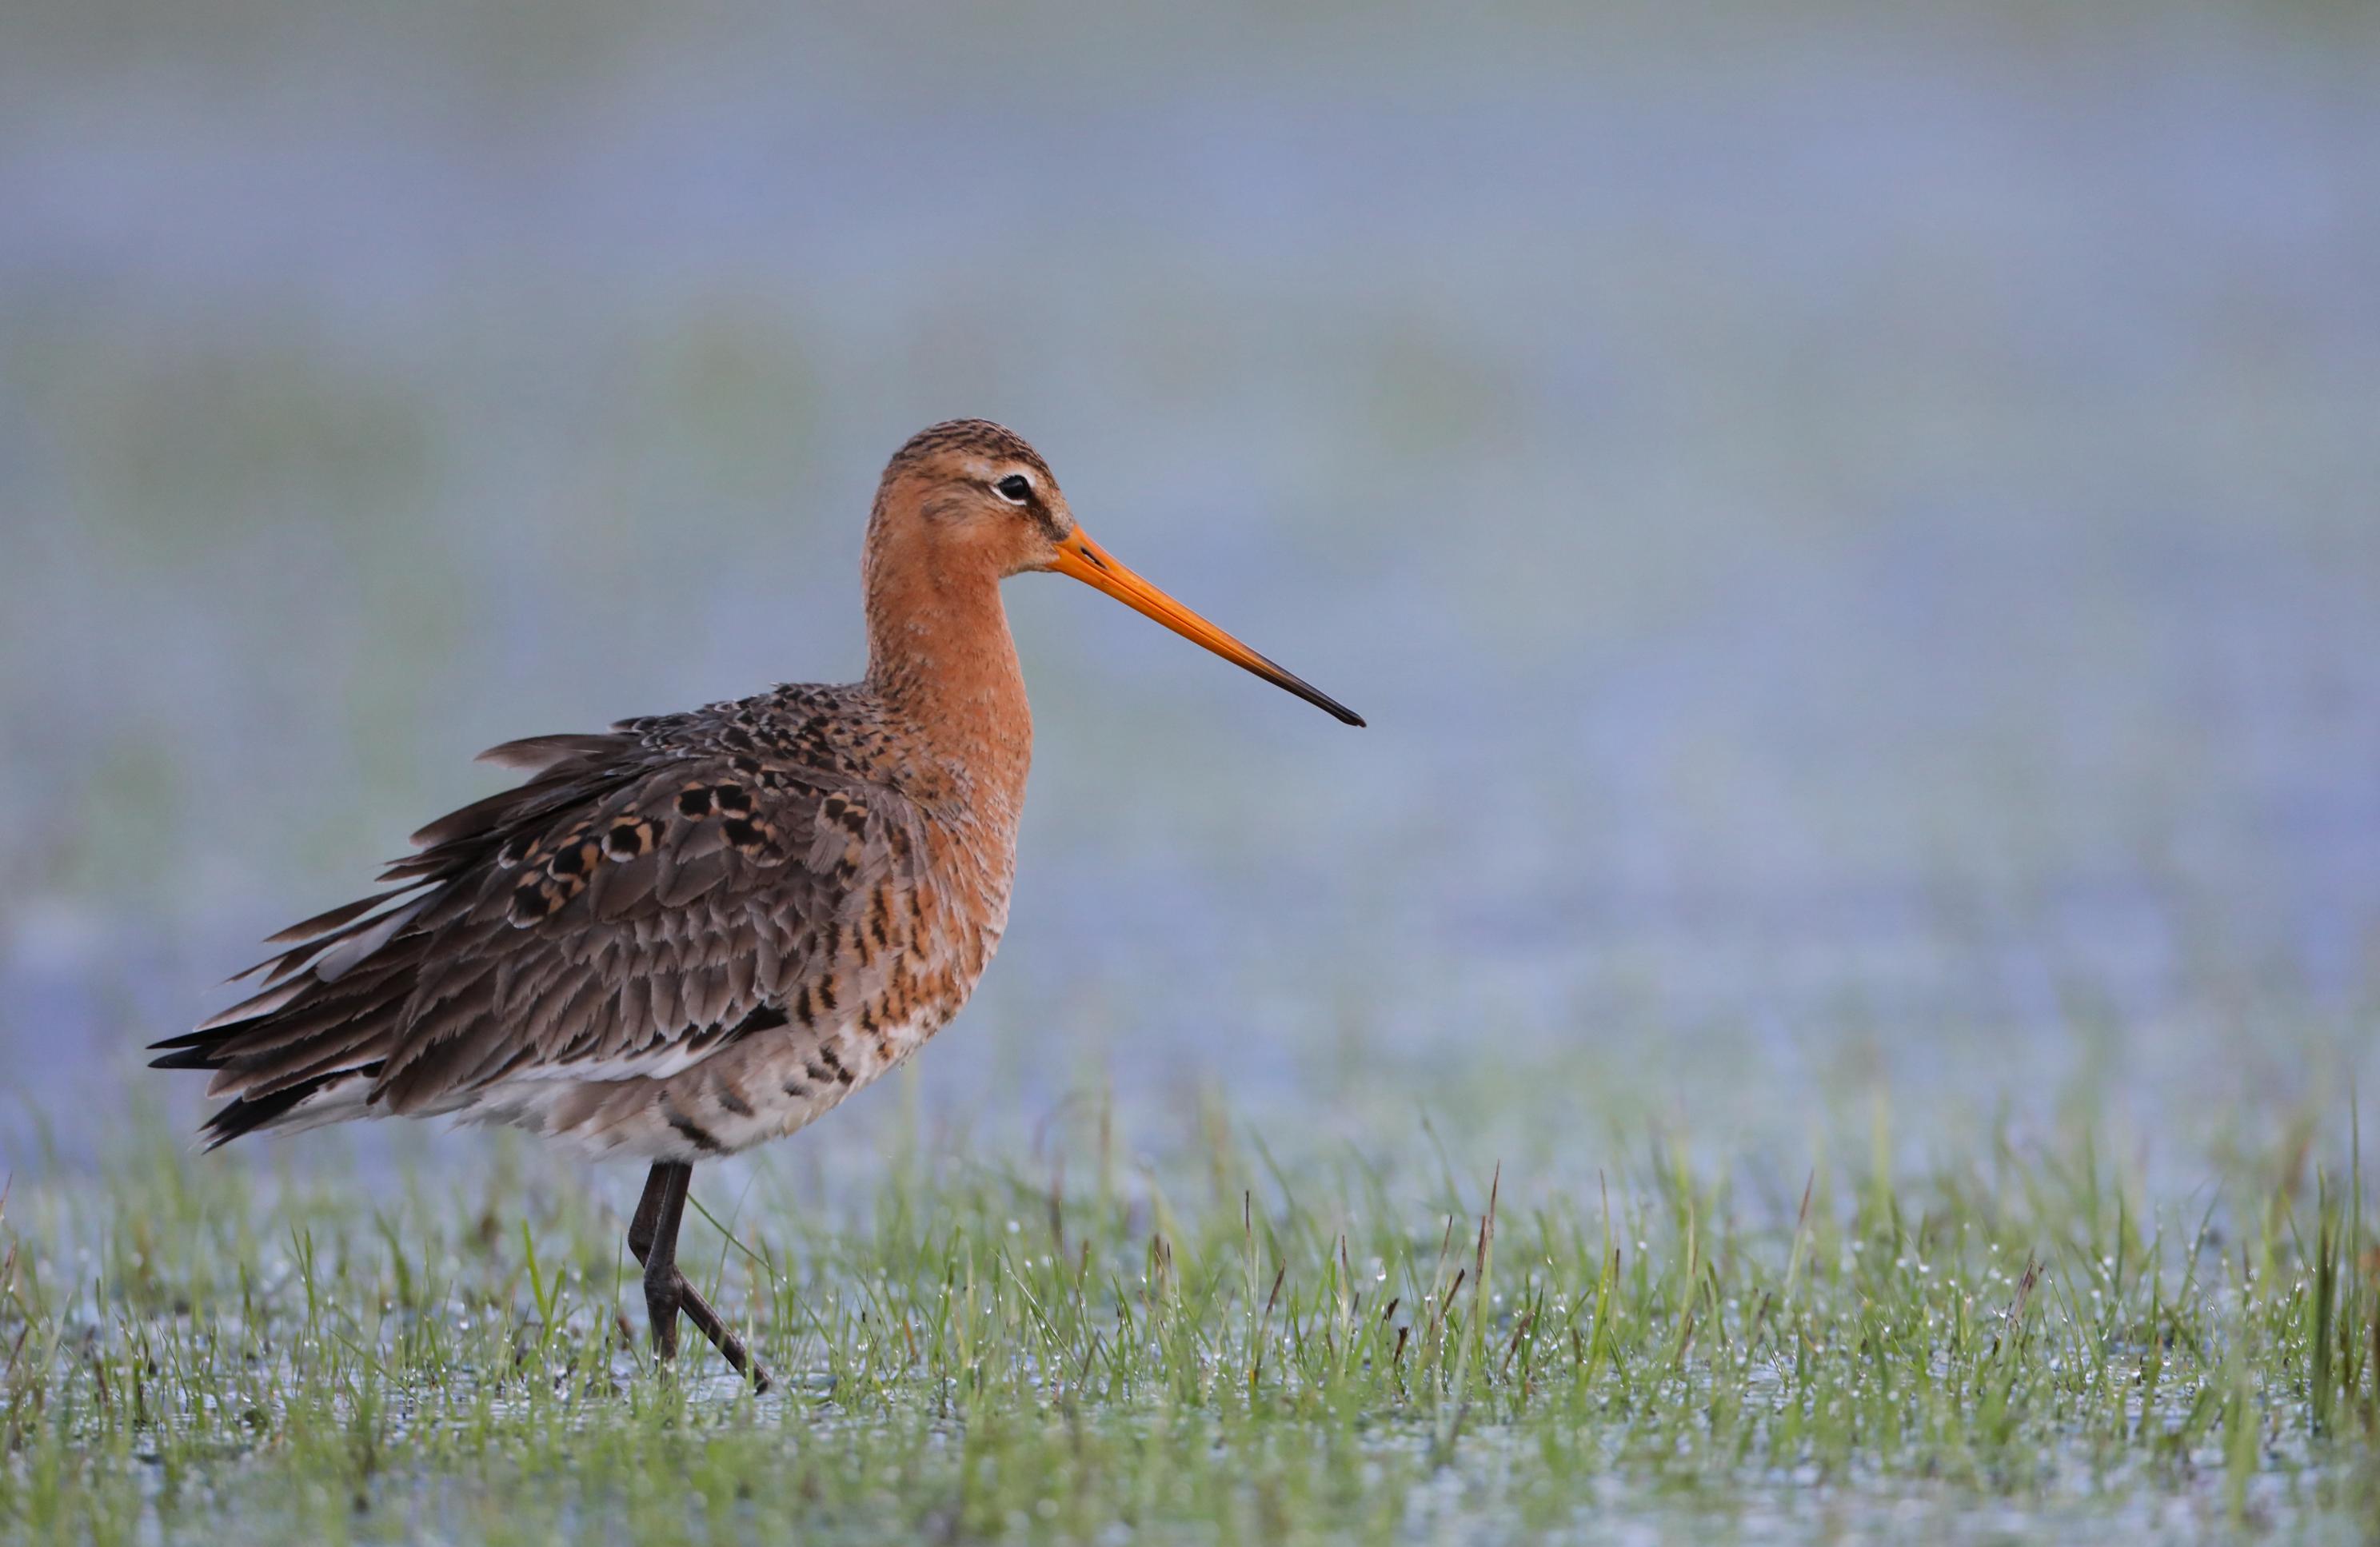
x=625, y=912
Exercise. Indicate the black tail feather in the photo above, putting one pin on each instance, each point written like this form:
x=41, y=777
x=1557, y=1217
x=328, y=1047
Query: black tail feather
x=248, y=1114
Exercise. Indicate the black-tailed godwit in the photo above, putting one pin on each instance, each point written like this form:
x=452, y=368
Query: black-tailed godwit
x=693, y=933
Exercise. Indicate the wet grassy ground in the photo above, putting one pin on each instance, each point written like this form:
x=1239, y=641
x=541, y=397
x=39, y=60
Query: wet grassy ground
x=2017, y=1342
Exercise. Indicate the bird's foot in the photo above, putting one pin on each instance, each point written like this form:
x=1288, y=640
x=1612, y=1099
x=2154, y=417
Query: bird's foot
x=668, y=1296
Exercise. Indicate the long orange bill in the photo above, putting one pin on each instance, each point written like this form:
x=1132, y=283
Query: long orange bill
x=1090, y=563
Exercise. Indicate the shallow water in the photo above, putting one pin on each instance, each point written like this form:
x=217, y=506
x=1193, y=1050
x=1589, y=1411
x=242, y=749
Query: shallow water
x=1859, y=545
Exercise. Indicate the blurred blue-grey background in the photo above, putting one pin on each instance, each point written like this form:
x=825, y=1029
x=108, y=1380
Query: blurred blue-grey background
x=1858, y=532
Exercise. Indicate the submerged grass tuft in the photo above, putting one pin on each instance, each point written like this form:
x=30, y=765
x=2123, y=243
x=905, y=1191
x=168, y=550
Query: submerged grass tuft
x=1224, y=1348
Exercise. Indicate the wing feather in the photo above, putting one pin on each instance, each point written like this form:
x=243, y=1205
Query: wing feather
x=631, y=907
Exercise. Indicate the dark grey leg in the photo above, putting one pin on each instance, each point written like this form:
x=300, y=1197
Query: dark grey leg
x=652, y=1235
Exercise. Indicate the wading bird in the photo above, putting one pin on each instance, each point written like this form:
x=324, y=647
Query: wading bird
x=698, y=932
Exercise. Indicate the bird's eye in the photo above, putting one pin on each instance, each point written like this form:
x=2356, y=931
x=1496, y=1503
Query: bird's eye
x=1016, y=488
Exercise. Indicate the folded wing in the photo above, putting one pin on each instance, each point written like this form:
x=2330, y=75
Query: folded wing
x=631, y=909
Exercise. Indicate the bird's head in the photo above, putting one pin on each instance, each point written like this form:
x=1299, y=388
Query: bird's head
x=974, y=496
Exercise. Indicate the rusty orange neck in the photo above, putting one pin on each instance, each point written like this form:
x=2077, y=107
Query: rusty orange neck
x=939, y=653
